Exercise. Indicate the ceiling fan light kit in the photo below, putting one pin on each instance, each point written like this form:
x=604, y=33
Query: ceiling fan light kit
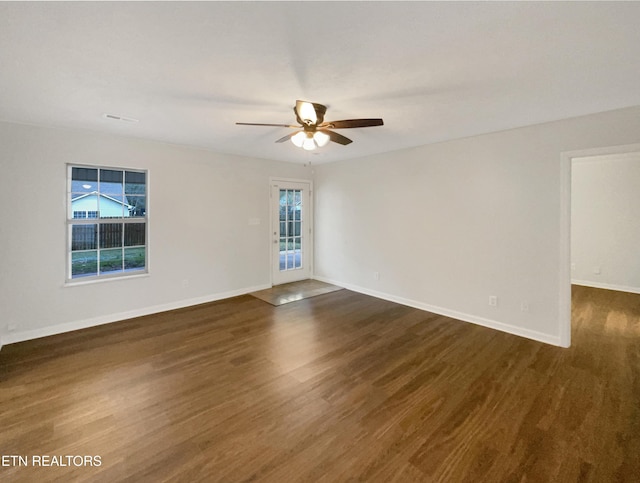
x=310, y=140
x=315, y=132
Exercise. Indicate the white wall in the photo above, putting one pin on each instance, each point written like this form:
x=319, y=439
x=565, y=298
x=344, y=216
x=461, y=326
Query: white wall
x=447, y=225
x=199, y=206
x=605, y=221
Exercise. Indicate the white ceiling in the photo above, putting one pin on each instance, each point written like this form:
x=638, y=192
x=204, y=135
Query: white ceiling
x=433, y=71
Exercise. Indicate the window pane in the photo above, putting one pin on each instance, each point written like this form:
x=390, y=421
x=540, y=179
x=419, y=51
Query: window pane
x=136, y=206
x=81, y=188
x=112, y=206
x=111, y=176
x=297, y=212
x=82, y=204
x=84, y=237
x=134, y=258
x=83, y=181
x=111, y=202
x=111, y=260
x=84, y=174
x=135, y=183
x=110, y=235
x=296, y=230
x=283, y=228
x=84, y=264
x=134, y=234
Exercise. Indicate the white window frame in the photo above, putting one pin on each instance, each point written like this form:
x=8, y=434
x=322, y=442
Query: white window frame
x=71, y=221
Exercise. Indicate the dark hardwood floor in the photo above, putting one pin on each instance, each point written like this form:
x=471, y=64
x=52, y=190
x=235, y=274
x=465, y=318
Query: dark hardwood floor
x=339, y=387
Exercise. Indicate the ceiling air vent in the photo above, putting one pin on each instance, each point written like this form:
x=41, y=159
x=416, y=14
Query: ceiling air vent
x=119, y=118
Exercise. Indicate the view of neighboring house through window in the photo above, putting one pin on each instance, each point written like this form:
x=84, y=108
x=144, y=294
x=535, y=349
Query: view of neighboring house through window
x=107, y=222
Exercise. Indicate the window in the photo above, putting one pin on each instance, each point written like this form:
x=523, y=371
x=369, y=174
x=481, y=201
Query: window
x=107, y=222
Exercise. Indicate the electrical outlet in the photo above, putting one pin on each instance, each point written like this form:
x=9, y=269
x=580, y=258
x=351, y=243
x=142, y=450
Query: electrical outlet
x=11, y=327
x=524, y=307
x=376, y=275
x=597, y=270
x=573, y=266
x=185, y=283
x=493, y=300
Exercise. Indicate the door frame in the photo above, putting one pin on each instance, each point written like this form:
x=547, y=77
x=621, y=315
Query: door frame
x=566, y=160
x=273, y=219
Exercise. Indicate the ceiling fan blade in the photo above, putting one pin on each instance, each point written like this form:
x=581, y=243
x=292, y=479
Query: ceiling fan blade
x=337, y=138
x=260, y=124
x=287, y=137
x=309, y=113
x=349, y=123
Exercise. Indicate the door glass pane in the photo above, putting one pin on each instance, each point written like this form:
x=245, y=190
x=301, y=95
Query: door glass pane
x=290, y=211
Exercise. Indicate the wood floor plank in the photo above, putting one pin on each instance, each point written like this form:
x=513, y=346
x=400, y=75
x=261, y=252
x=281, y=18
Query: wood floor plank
x=339, y=387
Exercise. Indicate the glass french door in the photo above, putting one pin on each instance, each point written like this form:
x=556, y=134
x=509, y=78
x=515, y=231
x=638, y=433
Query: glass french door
x=291, y=231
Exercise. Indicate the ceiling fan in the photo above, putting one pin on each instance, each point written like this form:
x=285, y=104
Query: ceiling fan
x=313, y=131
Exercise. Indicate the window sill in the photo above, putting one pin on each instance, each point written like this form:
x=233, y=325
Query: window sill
x=75, y=283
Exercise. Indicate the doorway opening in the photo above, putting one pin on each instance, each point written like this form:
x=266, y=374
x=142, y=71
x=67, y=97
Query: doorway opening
x=585, y=265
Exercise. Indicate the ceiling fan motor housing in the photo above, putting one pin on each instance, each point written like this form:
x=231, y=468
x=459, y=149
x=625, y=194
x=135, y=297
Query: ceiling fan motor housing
x=306, y=112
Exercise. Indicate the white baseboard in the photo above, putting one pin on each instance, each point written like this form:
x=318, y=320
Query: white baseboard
x=454, y=314
x=606, y=286
x=14, y=337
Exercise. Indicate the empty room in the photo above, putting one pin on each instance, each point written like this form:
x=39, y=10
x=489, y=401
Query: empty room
x=320, y=241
